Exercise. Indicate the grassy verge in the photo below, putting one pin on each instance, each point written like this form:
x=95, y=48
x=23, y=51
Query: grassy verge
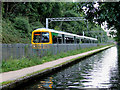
x=11, y=65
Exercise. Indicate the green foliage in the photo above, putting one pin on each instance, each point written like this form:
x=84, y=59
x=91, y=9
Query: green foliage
x=70, y=13
x=10, y=34
x=22, y=24
x=36, y=25
x=7, y=27
x=109, y=12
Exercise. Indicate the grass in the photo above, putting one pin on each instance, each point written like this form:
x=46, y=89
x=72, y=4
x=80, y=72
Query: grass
x=16, y=64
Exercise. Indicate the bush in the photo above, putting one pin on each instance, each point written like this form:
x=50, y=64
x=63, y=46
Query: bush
x=35, y=25
x=22, y=24
x=19, y=30
x=11, y=35
x=8, y=32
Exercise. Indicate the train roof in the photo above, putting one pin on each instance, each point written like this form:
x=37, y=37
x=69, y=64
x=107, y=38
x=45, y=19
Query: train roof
x=62, y=32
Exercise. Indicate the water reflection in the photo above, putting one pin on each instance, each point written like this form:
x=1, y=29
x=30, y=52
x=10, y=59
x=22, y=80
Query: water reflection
x=101, y=73
x=98, y=71
x=115, y=73
x=40, y=84
x=118, y=47
x=46, y=84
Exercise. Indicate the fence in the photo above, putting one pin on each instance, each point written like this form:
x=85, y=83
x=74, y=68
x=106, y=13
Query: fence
x=16, y=51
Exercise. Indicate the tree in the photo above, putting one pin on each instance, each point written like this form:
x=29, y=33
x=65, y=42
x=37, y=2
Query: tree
x=107, y=11
x=112, y=33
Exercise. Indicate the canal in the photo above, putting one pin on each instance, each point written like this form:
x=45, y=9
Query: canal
x=98, y=71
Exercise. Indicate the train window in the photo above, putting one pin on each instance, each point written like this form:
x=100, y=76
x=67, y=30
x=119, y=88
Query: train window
x=59, y=40
x=37, y=37
x=78, y=41
x=69, y=40
x=82, y=41
x=41, y=37
x=54, y=39
x=45, y=37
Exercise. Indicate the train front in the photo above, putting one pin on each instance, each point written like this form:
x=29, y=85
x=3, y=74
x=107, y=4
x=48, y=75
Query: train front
x=41, y=38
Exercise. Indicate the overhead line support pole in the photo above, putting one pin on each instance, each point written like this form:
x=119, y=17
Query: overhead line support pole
x=63, y=19
x=47, y=22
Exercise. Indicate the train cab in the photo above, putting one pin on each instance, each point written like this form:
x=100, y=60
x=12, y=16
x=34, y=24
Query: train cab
x=40, y=37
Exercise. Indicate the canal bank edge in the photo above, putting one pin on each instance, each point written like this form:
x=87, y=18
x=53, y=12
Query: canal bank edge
x=46, y=71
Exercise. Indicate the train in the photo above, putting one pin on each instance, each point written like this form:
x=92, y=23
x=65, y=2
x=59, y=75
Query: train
x=45, y=36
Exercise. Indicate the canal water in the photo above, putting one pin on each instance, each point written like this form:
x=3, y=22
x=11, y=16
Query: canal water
x=98, y=71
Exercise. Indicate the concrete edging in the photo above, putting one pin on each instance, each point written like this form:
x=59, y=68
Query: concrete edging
x=22, y=80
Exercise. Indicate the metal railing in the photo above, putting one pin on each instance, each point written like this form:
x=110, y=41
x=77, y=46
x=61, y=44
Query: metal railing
x=17, y=51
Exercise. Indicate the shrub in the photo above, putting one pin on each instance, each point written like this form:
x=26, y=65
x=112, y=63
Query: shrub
x=11, y=35
x=22, y=24
x=35, y=25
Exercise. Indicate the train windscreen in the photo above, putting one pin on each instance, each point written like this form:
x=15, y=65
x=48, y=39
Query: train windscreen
x=41, y=37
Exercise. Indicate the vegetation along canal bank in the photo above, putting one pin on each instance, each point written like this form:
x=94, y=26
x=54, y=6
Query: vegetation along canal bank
x=48, y=67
